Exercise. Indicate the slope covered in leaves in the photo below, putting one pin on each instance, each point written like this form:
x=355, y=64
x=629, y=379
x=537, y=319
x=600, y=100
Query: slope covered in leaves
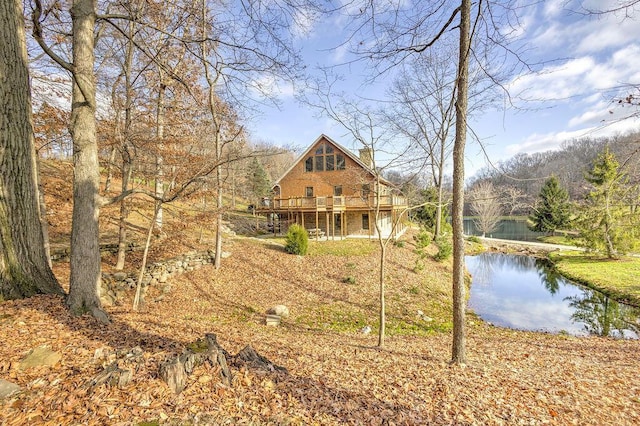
x=336, y=375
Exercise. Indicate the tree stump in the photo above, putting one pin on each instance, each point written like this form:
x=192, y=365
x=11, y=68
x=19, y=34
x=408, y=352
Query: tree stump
x=176, y=371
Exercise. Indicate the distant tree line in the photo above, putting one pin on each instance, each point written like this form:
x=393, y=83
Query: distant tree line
x=518, y=180
x=590, y=188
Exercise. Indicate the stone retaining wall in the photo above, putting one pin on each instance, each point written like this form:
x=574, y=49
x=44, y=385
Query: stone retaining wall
x=115, y=285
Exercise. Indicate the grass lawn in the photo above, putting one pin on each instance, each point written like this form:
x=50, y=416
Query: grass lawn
x=619, y=279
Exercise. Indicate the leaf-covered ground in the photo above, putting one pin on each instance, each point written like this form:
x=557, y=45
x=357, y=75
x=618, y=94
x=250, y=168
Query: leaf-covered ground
x=336, y=375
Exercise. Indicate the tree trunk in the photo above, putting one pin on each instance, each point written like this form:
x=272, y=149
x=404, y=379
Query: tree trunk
x=112, y=159
x=381, y=279
x=160, y=115
x=212, y=81
x=24, y=268
x=84, y=286
x=43, y=214
x=217, y=261
x=138, y=299
x=127, y=160
x=458, y=355
x=438, y=229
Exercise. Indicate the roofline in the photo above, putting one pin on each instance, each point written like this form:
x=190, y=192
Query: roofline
x=346, y=151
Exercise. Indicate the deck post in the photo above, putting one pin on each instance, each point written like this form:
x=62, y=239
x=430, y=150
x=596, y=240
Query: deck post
x=326, y=215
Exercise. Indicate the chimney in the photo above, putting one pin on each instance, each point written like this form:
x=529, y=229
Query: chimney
x=366, y=156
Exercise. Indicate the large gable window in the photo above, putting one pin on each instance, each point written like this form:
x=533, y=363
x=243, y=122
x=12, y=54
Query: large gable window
x=324, y=158
x=329, y=162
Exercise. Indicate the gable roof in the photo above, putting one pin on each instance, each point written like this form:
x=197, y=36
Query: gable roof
x=344, y=150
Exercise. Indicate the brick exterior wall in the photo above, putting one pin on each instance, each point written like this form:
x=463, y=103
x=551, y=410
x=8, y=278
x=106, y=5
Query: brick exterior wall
x=351, y=178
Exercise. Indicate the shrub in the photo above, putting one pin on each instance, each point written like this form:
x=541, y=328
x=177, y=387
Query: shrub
x=423, y=239
x=297, y=240
x=445, y=248
x=349, y=280
x=398, y=243
x=474, y=239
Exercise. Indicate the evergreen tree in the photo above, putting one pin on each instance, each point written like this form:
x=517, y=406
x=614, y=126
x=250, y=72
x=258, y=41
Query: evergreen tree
x=553, y=210
x=606, y=223
x=259, y=180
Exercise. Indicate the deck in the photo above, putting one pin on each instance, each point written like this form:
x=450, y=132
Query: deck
x=334, y=204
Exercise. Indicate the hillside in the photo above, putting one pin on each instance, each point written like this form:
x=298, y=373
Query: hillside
x=334, y=373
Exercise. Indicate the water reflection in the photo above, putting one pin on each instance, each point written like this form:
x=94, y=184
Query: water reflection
x=524, y=293
x=603, y=317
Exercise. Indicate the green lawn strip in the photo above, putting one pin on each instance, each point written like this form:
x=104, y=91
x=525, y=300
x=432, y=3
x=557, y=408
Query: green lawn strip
x=619, y=279
x=348, y=247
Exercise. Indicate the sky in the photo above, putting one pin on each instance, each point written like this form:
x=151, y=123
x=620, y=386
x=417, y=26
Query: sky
x=585, y=59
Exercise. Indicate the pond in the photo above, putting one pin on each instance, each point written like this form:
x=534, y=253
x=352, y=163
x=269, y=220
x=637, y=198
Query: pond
x=507, y=229
x=524, y=293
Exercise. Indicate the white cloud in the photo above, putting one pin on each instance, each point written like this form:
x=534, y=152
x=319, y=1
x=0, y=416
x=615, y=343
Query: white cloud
x=555, y=82
x=567, y=27
x=55, y=90
x=551, y=141
x=269, y=85
x=597, y=35
x=304, y=22
x=590, y=77
x=553, y=8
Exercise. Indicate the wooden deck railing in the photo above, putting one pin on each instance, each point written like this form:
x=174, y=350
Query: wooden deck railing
x=335, y=203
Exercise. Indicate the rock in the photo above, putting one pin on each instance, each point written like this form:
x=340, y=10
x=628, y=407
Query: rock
x=7, y=389
x=280, y=310
x=225, y=254
x=272, y=320
x=120, y=276
x=40, y=356
x=365, y=330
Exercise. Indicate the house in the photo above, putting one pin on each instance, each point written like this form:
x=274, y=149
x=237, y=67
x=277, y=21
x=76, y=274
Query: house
x=333, y=193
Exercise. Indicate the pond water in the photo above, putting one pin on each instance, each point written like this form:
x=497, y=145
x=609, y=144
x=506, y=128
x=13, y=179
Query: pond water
x=524, y=293
x=508, y=229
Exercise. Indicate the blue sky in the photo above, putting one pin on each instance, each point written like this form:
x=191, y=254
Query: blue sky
x=570, y=97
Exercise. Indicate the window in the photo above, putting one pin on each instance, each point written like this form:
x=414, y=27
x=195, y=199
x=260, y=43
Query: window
x=337, y=190
x=324, y=159
x=308, y=191
x=366, y=189
x=329, y=162
x=365, y=221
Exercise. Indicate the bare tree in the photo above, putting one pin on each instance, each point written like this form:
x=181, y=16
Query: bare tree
x=362, y=124
x=24, y=267
x=424, y=112
x=85, y=250
x=388, y=34
x=255, y=40
x=485, y=204
x=458, y=351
